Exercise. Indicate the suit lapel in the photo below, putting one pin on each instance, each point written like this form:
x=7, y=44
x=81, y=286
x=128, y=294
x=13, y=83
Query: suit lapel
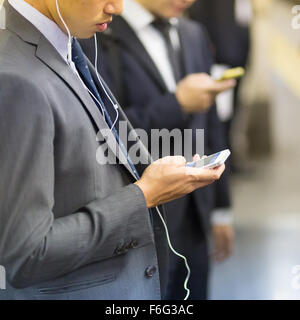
x=47, y=55
x=186, y=39
x=187, y=52
x=127, y=37
x=122, y=117
x=50, y=57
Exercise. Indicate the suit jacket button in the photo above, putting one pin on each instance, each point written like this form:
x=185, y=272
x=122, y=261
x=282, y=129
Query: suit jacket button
x=124, y=250
x=150, y=271
x=133, y=244
x=121, y=250
x=118, y=251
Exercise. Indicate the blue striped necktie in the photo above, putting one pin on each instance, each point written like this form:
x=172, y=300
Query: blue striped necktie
x=85, y=74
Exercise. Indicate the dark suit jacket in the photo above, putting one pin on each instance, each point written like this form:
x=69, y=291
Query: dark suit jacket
x=147, y=102
x=230, y=40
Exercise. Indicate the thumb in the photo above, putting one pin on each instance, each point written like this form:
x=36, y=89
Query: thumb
x=220, y=86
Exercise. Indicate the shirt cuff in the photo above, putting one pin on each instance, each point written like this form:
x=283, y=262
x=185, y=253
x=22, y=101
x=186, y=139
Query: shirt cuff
x=222, y=216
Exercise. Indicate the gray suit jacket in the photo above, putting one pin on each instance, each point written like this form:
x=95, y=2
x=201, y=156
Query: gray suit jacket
x=70, y=228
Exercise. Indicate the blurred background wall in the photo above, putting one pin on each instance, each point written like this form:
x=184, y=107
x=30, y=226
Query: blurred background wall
x=2, y=22
x=274, y=64
x=266, y=261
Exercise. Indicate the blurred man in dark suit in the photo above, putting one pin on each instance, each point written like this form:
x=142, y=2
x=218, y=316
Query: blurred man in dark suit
x=227, y=23
x=158, y=65
x=227, y=30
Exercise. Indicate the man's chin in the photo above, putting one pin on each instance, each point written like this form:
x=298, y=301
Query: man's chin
x=91, y=33
x=87, y=35
x=172, y=14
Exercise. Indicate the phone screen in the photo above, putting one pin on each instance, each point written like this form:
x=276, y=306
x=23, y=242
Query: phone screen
x=207, y=161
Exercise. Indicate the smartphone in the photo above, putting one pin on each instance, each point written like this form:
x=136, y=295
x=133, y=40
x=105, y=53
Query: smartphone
x=232, y=74
x=214, y=160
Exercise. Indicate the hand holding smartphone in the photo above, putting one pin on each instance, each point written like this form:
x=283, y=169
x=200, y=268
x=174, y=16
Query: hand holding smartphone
x=234, y=73
x=213, y=161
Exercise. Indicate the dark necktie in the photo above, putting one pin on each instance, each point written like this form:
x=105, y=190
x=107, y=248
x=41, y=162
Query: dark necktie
x=164, y=27
x=85, y=74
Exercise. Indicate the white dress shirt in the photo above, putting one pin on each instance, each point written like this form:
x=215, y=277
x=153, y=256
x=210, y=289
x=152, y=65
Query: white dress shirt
x=140, y=21
x=243, y=12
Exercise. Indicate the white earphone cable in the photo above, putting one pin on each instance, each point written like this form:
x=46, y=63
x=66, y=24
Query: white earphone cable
x=89, y=91
x=114, y=104
x=68, y=31
x=177, y=254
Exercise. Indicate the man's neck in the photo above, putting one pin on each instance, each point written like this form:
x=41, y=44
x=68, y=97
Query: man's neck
x=41, y=7
x=145, y=5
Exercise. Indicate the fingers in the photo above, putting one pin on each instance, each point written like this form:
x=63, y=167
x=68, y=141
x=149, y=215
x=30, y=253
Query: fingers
x=219, y=247
x=211, y=84
x=220, y=244
x=224, y=241
x=230, y=239
x=196, y=157
x=219, y=171
x=172, y=160
x=220, y=86
x=201, y=175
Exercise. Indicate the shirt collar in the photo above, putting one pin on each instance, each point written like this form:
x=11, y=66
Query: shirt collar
x=138, y=17
x=47, y=27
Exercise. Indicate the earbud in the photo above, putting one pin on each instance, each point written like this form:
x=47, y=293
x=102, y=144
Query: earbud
x=69, y=34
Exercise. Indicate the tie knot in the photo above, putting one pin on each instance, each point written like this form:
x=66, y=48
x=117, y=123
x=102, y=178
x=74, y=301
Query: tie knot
x=162, y=25
x=77, y=53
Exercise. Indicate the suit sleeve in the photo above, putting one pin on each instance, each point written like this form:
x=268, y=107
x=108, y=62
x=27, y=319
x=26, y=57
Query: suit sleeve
x=160, y=112
x=163, y=112
x=34, y=245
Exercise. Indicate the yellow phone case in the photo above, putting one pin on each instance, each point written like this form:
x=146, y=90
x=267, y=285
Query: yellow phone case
x=232, y=74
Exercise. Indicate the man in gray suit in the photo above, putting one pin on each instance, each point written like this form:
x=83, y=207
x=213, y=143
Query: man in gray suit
x=71, y=228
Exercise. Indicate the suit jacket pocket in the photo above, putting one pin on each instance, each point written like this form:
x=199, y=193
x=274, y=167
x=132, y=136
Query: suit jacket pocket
x=70, y=287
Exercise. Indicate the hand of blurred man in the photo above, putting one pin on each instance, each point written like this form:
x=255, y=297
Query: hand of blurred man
x=197, y=92
x=223, y=237
x=168, y=179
